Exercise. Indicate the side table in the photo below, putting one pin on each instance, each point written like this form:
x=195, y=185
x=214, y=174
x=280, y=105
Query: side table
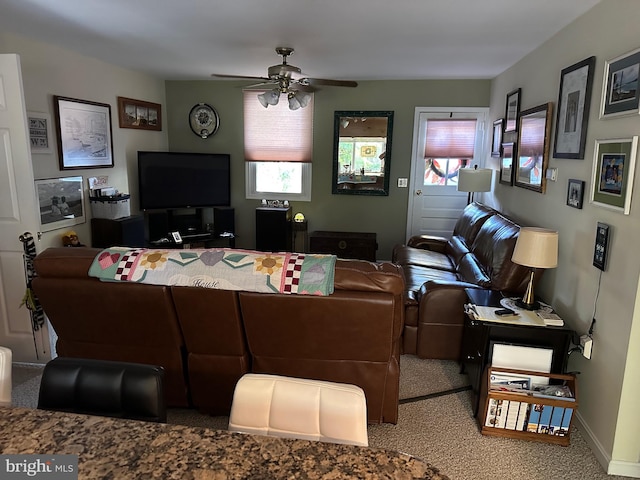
x=478, y=337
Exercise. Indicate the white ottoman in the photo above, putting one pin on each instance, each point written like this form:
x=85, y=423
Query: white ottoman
x=299, y=408
x=5, y=377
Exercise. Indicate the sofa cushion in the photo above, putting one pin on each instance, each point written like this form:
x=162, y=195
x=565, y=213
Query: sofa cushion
x=416, y=276
x=424, y=258
x=493, y=248
x=470, y=270
x=471, y=220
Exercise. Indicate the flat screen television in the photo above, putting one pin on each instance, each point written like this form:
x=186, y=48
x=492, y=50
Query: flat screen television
x=183, y=180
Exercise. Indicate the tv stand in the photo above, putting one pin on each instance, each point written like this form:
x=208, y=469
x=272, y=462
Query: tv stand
x=189, y=222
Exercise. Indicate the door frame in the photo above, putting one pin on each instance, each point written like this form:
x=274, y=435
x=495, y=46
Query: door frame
x=415, y=148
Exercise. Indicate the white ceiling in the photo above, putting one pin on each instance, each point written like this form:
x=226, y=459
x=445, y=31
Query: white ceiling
x=341, y=39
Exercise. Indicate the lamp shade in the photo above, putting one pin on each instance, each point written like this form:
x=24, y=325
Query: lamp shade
x=536, y=248
x=474, y=179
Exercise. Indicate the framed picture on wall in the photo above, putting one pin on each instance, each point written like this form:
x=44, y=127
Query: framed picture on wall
x=620, y=88
x=139, y=114
x=512, y=110
x=84, y=133
x=61, y=202
x=496, y=144
x=40, y=136
x=613, y=169
x=534, y=137
x=575, y=193
x=506, y=164
x=574, y=98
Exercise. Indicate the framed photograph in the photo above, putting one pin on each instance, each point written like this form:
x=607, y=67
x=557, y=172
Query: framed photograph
x=84, y=133
x=534, y=134
x=139, y=114
x=496, y=145
x=612, y=179
x=61, y=202
x=620, y=86
x=512, y=110
x=574, y=98
x=40, y=136
x=575, y=193
x=506, y=165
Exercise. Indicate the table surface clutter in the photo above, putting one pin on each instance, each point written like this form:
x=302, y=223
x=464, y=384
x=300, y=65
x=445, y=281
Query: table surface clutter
x=123, y=449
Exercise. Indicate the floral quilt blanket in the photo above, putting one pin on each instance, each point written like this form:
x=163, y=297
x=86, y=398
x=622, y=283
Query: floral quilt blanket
x=224, y=269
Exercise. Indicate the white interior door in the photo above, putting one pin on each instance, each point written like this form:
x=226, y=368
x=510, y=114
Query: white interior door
x=18, y=214
x=434, y=209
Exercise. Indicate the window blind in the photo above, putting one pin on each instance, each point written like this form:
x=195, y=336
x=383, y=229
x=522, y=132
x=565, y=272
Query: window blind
x=450, y=138
x=276, y=133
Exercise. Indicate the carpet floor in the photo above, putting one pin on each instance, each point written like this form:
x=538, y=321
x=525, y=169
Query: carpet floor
x=435, y=423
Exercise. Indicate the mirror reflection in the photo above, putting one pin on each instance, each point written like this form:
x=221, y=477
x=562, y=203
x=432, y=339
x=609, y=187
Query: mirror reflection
x=362, y=152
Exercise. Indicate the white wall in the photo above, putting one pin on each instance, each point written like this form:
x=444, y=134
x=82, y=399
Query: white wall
x=609, y=382
x=48, y=70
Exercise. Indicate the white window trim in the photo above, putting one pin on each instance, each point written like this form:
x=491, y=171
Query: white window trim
x=250, y=185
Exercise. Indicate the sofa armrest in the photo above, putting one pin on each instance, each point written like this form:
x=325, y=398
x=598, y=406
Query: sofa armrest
x=428, y=242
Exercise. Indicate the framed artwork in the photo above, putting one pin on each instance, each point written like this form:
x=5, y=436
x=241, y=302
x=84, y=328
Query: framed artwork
x=139, y=114
x=574, y=98
x=61, y=202
x=620, y=94
x=575, y=193
x=506, y=165
x=40, y=136
x=534, y=133
x=84, y=133
x=612, y=179
x=496, y=145
x=512, y=110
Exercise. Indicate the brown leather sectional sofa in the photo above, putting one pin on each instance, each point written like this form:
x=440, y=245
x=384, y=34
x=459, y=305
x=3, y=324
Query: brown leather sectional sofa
x=207, y=339
x=437, y=271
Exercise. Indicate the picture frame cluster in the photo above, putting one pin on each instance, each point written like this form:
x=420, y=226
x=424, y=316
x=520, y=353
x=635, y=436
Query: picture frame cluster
x=614, y=159
x=84, y=140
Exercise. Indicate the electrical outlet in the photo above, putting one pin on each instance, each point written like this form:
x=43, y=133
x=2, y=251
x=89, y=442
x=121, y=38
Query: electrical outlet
x=586, y=343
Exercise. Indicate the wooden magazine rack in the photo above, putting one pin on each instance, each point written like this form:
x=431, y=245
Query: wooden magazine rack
x=520, y=415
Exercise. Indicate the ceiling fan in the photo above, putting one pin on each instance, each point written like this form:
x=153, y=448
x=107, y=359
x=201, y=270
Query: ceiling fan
x=282, y=77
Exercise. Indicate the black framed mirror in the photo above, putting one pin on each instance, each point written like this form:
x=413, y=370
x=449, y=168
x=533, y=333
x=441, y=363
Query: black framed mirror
x=362, y=152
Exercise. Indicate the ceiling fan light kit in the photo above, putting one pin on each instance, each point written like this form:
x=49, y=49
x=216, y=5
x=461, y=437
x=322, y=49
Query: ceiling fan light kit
x=298, y=90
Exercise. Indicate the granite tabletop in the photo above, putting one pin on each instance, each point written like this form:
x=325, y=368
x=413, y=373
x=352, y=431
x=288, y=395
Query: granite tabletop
x=110, y=448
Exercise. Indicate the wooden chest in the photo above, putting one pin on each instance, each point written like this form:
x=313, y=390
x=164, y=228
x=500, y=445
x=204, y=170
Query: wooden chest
x=355, y=245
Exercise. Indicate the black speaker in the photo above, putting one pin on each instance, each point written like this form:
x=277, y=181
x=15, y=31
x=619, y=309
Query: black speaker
x=157, y=225
x=224, y=220
x=273, y=229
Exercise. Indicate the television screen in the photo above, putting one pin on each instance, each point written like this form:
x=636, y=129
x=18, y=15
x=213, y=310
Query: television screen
x=183, y=180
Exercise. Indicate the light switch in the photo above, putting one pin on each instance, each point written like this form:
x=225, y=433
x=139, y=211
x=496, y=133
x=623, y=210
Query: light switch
x=402, y=183
x=552, y=174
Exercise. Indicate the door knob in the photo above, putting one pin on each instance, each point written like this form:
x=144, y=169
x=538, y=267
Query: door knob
x=418, y=192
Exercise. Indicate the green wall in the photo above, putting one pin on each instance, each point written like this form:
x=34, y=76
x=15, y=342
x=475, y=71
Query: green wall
x=386, y=216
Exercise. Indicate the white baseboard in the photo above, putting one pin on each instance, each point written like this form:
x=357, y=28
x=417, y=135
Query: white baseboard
x=612, y=467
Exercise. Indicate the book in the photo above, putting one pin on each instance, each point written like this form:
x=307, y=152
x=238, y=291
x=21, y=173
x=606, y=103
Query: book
x=516, y=415
x=550, y=420
x=496, y=413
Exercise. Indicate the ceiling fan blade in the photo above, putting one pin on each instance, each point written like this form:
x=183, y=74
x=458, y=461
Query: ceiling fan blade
x=243, y=77
x=295, y=85
x=328, y=82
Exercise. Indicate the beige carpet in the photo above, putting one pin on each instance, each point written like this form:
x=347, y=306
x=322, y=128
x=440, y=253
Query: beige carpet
x=440, y=430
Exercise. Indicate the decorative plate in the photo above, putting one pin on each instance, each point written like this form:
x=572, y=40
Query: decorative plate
x=204, y=120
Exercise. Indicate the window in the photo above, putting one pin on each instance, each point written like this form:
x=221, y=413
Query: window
x=449, y=146
x=278, y=149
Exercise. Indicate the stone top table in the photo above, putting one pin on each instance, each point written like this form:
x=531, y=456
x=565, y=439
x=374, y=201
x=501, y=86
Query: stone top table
x=128, y=449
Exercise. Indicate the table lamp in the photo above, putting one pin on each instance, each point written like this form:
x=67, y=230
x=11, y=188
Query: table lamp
x=535, y=248
x=474, y=180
